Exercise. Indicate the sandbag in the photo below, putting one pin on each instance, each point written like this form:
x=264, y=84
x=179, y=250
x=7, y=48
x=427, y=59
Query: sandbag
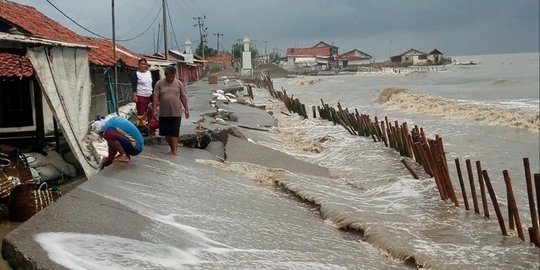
x=61, y=165
x=70, y=158
x=48, y=172
x=35, y=175
x=36, y=159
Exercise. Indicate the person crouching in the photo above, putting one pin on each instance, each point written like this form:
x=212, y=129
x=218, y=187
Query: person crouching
x=123, y=140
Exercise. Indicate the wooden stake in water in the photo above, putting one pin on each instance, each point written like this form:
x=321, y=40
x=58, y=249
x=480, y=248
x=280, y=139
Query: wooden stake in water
x=494, y=202
x=462, y=184
x=512, y=205
x=482, y=189
x=537, y=185
x=411, y=171
x=473, y=188
x=530, y=195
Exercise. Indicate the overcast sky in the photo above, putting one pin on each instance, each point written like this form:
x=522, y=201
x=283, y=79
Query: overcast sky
x=377, y=27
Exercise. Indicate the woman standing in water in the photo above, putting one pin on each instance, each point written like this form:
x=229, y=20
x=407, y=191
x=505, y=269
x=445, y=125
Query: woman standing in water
x=170, y=95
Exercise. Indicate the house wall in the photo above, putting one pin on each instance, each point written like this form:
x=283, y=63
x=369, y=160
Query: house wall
x=290, y=63
x=101, y=100
x=434, y=58
x=355, y=62
x=98, y=104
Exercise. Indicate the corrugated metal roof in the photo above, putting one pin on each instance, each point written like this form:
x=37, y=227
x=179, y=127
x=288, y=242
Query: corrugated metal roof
x=14, y=38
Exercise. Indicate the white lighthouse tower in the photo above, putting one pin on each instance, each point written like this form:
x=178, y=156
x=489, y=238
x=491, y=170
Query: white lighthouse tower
x=246, y=59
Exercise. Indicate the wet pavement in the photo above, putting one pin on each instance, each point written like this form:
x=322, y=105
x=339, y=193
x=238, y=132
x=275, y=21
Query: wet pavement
x=124, y=202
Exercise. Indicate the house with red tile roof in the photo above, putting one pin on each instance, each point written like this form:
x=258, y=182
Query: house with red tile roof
x=27, y=77
x=27, y=20
x=318, y=57
x=354, y=58
x=16, y=70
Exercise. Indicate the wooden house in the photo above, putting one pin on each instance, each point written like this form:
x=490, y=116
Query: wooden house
x=320, y=56
x=435, y=57
x=410, y=57
x=28, y=21
x=189, y=66
x=354, y=58
x=36, y=74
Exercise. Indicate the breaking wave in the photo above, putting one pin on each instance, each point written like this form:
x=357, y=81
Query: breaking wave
x=493, y=114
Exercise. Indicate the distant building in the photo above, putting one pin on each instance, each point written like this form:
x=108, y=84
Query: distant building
x=410, y=57
x=418, y=58
x=354, y=58
x=189, y=65
x=435, y=57
x=320, y=56
x=223, y=60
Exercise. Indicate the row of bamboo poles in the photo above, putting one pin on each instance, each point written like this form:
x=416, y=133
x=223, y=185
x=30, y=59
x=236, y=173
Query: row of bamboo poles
x=430, y=154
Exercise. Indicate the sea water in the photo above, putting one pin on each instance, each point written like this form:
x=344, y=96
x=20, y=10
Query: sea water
x=371, y=214
x=487, y=112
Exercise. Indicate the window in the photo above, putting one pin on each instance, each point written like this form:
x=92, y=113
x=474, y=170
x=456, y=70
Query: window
x=16, y=103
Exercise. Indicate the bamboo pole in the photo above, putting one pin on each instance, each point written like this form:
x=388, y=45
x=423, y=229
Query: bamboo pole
x=473, y=188
x=482, y=189
x=434, y=169
x=530, y=195
x=512, y=204
x=384, y=136
x=462, y=184
x=537, y=184
x=411, y=171
x=444, y=171
x=494, y=202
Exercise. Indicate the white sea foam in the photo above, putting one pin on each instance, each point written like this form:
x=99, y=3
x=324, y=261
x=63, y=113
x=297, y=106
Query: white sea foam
x=494, y=114
x=88, y=251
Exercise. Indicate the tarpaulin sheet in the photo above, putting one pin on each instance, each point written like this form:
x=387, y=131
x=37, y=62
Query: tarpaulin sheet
x=64, y=76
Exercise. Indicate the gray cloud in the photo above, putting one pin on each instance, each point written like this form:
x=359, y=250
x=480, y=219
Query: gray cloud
x=380, y=28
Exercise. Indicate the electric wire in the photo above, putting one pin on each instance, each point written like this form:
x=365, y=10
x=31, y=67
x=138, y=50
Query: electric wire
x=96, y=34
x=172, y=27
x=143, y=19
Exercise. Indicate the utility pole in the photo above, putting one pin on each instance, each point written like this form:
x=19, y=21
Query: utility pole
x=202, y=32
x=390, y=49
x=114, y=59
x=218, y=34
x=164, y=3
x=265, y=52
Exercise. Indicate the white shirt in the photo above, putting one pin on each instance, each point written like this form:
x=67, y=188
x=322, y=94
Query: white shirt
x=144, y=83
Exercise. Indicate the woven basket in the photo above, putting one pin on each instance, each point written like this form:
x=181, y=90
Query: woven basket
x=29, y=198
x=19, y=167
x=6, y=181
